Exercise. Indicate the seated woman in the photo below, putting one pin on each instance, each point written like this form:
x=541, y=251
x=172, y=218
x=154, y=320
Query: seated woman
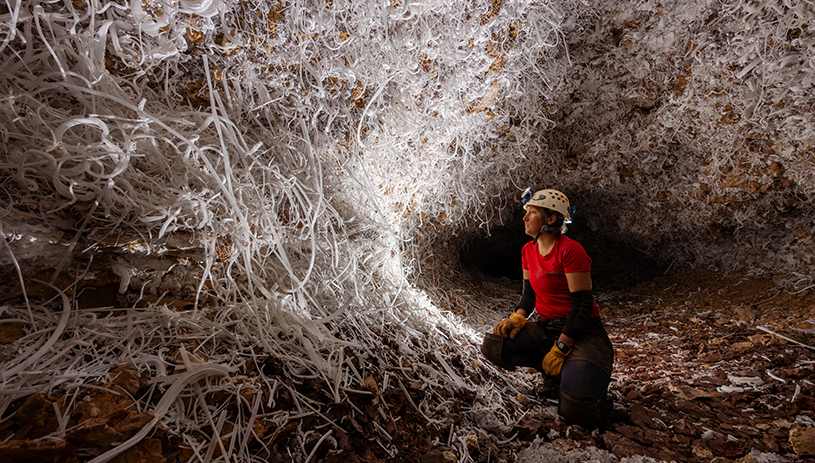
x=568, y=340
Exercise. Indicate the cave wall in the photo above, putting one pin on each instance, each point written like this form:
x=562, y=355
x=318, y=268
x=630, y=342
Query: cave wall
x=274, y=176
x=686, y=128
x=281, y=180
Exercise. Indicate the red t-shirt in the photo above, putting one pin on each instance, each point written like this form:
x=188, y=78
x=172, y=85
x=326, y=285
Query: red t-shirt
x=547, y=274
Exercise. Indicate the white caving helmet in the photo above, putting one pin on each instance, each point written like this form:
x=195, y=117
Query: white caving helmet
x=549, y=199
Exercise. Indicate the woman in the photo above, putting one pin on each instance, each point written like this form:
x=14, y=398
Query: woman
x=568, y=340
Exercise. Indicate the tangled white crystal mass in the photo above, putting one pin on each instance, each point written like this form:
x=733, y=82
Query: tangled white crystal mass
x=313, y=167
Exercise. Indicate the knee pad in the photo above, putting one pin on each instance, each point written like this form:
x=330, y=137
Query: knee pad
x=492, y=347
x=583, y=410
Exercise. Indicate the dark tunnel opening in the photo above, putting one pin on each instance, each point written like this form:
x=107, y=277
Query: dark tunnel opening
x=616, y=264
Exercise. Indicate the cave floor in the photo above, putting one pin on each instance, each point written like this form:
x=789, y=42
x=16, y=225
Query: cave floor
x=708, y=367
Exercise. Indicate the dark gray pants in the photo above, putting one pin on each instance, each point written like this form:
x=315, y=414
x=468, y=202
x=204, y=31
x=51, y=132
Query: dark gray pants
x=583, y=384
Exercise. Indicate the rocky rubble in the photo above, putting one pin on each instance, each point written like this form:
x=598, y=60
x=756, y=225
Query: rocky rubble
x=708, y=368
x=91, y=419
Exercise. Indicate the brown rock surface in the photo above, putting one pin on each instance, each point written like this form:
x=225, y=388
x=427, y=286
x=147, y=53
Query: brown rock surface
x=36, y=417
x=148, y=450
x=12, y=331
x=126, y=379
x=128, y=422
x=34, y=452
x=528, y=428
x=803, y=441
x=93, y=433
x=694, y=385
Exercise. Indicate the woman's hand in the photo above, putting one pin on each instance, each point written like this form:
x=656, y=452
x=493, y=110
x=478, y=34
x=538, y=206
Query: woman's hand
x=510, y=327
x=553, y=362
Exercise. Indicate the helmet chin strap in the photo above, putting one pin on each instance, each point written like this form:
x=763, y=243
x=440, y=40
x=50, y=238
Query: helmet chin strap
x=544, y=229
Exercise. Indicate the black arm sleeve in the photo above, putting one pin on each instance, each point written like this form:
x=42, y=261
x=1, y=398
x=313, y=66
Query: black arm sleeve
x=527, y=301
x=582, y=307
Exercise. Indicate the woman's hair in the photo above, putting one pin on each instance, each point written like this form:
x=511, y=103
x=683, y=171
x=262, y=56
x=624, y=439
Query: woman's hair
x=557, y=228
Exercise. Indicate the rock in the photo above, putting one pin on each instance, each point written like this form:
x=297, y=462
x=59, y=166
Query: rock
x=632, y=432
x=770, y=444
x=127, y=422
x=655, y=437
x=685, y=392
x=700, y=451
x=683, y=441
x=100, y=404
x=36, y=417
x=342, y=439
x=148, y=450
x=713, y=357
x=649, y=389
x=783, y=424
x=761, y=339
x=690, y=408
x=748, y=432
x=683, y=426
x=126, y=379
x=803, y=440
x=471, y=442
x=438, y=456
x=742, y=347
x=30, y=451
x=622, y=446
x=528, y=428
x=727, y=447
x=663, y=454
x=645, y=417
x=641, y=416
x=726, y=419
x=94, y=433
x=758, y=457
x=564, y=444
x=12, y=331
x=745, y=313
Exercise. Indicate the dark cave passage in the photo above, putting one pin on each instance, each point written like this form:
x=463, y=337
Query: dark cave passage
x=616, y=264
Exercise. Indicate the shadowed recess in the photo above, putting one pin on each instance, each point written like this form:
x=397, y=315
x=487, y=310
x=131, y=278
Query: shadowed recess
x=616, y=263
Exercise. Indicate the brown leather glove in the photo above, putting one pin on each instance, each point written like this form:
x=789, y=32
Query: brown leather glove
x=510, y=327
x=553, y=362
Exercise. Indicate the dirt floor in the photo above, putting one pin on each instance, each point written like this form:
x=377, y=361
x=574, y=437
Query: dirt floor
x=708, y=368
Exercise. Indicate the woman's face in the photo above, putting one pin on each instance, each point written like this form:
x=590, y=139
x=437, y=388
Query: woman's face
x=533, y=220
